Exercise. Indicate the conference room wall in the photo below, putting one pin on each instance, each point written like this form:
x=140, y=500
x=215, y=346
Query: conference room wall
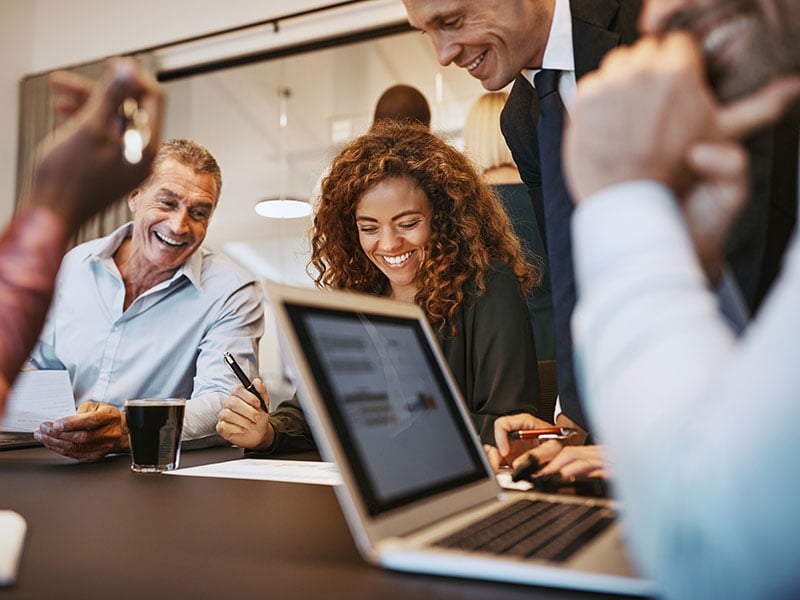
x=40, y=35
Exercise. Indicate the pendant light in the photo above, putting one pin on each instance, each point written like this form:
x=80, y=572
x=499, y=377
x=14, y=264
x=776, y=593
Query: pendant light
x=282, y=206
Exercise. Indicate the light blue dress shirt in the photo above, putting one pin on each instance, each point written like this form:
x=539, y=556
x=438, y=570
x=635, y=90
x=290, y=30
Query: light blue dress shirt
x=167, y=344
x=700, y=424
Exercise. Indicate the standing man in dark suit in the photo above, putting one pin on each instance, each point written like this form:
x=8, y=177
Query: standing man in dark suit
x=545, y=46
x=597, y=26
x=500, y=41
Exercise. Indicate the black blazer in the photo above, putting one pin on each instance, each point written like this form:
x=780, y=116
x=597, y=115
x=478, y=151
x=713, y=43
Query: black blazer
x=755, y=248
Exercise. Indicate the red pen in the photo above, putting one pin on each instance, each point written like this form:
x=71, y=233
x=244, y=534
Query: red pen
x=556, y=433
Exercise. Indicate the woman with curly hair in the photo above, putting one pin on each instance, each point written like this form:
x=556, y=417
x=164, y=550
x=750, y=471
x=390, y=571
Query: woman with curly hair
x=405, y=215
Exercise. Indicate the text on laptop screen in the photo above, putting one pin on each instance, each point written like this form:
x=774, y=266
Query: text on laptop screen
x=388, y=398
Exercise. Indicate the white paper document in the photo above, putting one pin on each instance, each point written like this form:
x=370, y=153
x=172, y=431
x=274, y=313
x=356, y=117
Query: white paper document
x=38, y=396
x=505, y=481
x=293, y=471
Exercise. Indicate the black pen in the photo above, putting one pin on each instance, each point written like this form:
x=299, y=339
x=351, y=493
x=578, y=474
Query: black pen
x=248, y=385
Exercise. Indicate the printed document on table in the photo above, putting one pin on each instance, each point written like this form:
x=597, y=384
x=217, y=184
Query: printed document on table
x=505, y=481
x=35, y=397
x=293, y=471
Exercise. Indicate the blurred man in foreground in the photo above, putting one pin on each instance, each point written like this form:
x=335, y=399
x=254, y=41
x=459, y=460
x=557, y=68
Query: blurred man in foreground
x=673, y=390
x=80, y=170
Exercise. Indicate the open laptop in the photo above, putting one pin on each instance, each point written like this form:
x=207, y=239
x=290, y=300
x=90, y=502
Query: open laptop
x=382, y=404
x=13, y=440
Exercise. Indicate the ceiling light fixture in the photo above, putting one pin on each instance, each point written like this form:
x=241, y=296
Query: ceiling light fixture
x=283, y=207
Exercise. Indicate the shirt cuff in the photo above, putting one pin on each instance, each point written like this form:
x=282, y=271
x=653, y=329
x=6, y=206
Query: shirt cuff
x=557, y=411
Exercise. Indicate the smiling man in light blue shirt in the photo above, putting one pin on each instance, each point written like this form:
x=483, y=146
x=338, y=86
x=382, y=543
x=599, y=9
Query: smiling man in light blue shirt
x=148, y=312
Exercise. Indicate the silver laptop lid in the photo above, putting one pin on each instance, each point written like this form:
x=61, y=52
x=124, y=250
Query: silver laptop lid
x=382, y=404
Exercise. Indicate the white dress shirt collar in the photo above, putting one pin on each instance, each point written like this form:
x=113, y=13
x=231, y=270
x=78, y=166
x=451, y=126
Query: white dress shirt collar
x=191, y=268
x=558, y=53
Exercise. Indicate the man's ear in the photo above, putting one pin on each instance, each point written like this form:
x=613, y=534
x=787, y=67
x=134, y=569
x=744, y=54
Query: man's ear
x=133, y=198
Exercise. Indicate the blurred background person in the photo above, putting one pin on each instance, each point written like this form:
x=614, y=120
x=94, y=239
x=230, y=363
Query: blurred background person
x=397, y=103
x=401, y=102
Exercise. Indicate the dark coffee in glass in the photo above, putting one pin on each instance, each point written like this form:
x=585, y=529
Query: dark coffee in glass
x=154, y=428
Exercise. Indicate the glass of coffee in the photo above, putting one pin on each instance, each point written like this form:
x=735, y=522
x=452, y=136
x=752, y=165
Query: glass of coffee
x=154, y=429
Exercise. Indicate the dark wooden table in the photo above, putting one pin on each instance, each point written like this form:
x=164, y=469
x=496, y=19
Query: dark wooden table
x=100, y=531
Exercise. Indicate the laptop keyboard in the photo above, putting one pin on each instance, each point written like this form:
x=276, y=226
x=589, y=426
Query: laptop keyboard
x=533, y=528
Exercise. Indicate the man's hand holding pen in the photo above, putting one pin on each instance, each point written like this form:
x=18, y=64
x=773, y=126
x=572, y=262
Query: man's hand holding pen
x=242, y=421
x=507, y=449
x=523, y=440
x=548, y=433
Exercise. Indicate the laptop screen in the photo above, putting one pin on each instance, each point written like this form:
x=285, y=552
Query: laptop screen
x=390, y=404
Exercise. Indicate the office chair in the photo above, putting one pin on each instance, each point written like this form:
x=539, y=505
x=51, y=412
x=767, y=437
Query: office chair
x=548, y=389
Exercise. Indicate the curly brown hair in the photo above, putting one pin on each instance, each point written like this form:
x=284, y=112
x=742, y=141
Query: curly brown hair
x=469, y=228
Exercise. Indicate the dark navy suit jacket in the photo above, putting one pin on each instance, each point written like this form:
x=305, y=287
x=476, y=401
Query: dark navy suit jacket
x=597, y=27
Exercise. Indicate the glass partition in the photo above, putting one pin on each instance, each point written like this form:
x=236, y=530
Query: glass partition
x=235, y=112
